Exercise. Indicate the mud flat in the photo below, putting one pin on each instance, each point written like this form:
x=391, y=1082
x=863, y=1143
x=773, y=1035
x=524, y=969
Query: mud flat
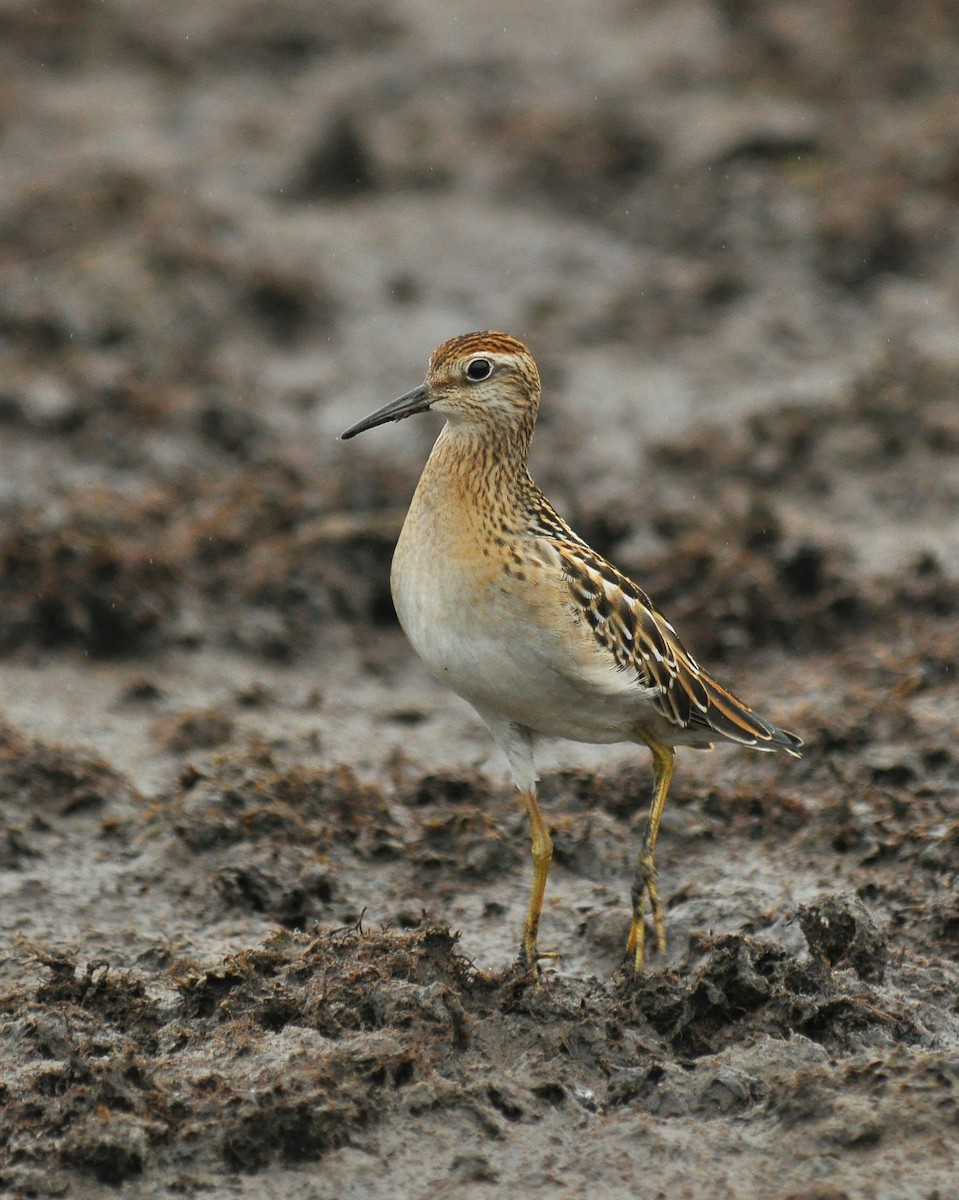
x=262, y=879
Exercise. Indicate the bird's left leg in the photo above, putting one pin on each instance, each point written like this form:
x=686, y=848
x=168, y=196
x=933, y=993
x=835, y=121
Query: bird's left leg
x=542, y=847
x=517, y=742
x=644, y=879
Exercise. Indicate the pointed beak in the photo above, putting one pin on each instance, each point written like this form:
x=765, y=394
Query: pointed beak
x=416, y=401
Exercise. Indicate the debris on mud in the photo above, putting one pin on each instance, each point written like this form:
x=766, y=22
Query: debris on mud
x=839, y=930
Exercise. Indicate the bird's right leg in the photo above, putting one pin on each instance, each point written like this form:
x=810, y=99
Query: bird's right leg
x=644, y=880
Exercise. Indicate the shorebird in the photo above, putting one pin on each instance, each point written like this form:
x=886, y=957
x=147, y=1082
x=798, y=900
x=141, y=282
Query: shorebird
x=540, y=634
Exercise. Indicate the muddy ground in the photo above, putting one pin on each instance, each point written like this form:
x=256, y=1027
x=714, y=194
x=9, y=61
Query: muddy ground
x=263, y=881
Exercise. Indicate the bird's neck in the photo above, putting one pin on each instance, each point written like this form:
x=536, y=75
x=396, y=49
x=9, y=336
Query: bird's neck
x=479, y=472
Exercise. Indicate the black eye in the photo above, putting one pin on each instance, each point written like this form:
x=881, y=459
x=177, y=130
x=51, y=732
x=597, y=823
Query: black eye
x=479, y=368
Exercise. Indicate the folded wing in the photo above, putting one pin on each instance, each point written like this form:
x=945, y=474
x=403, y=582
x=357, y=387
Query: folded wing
x=639, y=639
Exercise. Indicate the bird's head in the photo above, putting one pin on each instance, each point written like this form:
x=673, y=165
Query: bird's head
x=486, y=380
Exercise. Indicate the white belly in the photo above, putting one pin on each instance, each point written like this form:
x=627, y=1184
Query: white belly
x=477, y=636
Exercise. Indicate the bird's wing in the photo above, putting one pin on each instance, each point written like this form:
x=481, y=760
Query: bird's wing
x=640, y=640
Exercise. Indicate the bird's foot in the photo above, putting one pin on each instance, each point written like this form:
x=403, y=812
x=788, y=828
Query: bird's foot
x=530, y=957
x=644, y=884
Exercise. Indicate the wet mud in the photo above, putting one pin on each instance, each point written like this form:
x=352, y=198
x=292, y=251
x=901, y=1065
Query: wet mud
x=263, y=880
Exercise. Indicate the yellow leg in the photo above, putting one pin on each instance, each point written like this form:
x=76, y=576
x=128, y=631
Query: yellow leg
x=644, y=881
x=542, y=857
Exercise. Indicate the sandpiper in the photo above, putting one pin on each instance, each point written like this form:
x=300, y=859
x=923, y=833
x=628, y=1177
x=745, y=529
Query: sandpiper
x=515, y=613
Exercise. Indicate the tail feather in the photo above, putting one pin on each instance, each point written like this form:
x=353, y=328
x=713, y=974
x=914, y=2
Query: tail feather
x=731, y=718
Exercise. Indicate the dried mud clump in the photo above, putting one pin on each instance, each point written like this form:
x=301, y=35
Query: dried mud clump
x=273, y=840
x=270, y=557
x=864, y=1103
x=112, y=1148
x=840, y=930
x=460, y=841
x=337, y=983
x=85, y=1095
x=322, y=1029
x=745, y=986
x=261, y=561
x=307, y=1042
x=329, y=1027
x=93, y=587
x=39, y=780
x=195, y=729
x=241, y=799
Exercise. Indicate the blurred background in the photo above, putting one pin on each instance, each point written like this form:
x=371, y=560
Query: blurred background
x=228, y=229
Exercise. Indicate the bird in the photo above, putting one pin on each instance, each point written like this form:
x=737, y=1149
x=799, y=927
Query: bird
x=517, y=614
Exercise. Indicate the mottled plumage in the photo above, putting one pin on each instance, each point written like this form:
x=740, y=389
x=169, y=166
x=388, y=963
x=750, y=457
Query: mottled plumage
x=515, y=612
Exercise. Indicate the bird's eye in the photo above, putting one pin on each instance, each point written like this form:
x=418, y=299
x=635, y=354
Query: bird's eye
x=479, y=368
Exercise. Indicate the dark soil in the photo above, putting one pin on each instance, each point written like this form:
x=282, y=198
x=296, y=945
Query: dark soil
x=263, y=880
